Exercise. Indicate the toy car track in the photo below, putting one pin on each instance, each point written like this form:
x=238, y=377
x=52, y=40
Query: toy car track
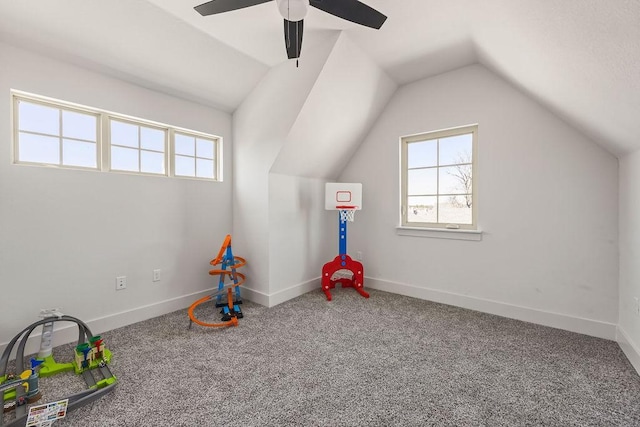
x=91, y=364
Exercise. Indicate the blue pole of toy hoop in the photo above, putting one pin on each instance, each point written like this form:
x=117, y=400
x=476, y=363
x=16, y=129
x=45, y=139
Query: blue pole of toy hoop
x=342, y=235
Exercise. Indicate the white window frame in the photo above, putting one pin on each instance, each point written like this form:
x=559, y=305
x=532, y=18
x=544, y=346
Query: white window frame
x=61, y=106
x=140, y=124
x=217, y=153
x=404, y=171
x=103, y=142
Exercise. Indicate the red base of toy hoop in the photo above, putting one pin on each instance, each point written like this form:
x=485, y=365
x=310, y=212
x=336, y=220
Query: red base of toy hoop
x=343, y=262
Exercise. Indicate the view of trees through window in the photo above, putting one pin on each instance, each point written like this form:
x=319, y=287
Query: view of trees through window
x=439, y=178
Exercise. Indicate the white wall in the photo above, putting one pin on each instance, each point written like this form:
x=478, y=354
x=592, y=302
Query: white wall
x=66, y=234
x=629, y=318
x=298, y=241
x=260, y=127
x=547, y=207
x=295, y=131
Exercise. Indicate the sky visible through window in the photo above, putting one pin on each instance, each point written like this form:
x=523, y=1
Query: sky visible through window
x=439, y=180
x=137, y=148
x=55, y=136
x=58, y=133
x=194, y=157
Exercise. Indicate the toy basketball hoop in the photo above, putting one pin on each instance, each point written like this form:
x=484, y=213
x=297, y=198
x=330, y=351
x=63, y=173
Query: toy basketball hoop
x=347, y=213
x=346, y=198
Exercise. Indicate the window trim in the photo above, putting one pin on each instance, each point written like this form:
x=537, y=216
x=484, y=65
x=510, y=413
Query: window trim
x=103, y=141
x=452, y=229
x=139, y=123
x=217, y=154
x=440, y=233
x=16, y=97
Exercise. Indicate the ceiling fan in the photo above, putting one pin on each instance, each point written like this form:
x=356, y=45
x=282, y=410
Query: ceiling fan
x=294, y=11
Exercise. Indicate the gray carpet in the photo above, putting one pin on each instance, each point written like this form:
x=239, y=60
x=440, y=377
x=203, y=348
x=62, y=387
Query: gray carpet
x=388, y=360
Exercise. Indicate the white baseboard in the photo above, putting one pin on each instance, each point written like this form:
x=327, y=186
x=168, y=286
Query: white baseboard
x=630, y=349
x=293, y=291
x=255, y=296
x=271, y=300
x=67, y=332
x=590, y=327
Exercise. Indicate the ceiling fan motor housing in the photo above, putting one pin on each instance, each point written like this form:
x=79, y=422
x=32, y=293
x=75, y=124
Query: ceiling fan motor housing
x=293, y=10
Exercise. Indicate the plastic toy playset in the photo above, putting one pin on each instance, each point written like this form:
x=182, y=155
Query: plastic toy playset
x=346, y=198
x=19, y=391
x=229, y=282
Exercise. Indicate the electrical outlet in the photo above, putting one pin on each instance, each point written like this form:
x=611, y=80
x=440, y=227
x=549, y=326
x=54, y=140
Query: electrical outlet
x=156, y=275
x=121, y=283
x=637, y=305
x=359, y=255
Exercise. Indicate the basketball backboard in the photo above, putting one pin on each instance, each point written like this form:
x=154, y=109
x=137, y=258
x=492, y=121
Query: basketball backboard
x=342, y=194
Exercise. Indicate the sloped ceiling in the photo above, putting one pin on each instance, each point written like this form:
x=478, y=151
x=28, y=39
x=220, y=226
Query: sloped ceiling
x=580, y=58
x=135, y=41
x=346, y=98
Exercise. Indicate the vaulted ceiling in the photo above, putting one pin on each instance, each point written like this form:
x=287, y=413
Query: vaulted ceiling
x=580, y=58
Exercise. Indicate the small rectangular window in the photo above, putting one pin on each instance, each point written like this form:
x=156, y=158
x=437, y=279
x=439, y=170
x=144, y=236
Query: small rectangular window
x=54, y=135
x=437, y=179
x=137, y=148
x=195, y=156
x=49, y=132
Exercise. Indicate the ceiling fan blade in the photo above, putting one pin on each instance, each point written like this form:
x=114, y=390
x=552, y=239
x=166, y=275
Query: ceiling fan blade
x=351, y=10
x=293, y=38
x=219, y=6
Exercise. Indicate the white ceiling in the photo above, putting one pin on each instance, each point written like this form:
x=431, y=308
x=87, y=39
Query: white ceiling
x=580, y=58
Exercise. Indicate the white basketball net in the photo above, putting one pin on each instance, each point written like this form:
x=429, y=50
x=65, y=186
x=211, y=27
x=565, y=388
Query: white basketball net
x=347, y=214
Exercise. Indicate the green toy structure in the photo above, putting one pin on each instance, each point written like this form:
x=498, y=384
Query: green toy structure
x=90, y=360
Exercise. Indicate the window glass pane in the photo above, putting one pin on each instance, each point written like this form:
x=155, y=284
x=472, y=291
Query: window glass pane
x=152, y=139
x=185, y=145
x=422, y=182
x=455, y=180
x=76, y=153
x=38, y=118
x=204, y=168
x=152, y=162
x=185, y=166
x=422, y=154
x=422, y=209
x=204, y=148
x=456, y=149
x=437, y=178
x=78, y=125
x=38, y=149
x=124, y=134
x=124, y=159
x=455, y=209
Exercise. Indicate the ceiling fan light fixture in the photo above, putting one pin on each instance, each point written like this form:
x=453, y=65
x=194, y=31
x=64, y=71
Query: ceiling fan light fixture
x=293, y=10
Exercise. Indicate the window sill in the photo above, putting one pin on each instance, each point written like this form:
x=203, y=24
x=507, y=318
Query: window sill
x=440, y=233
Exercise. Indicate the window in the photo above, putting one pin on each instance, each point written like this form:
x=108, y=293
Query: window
x=137, y=148
x=195, y=156
x=57, y=133
x=437, y=179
